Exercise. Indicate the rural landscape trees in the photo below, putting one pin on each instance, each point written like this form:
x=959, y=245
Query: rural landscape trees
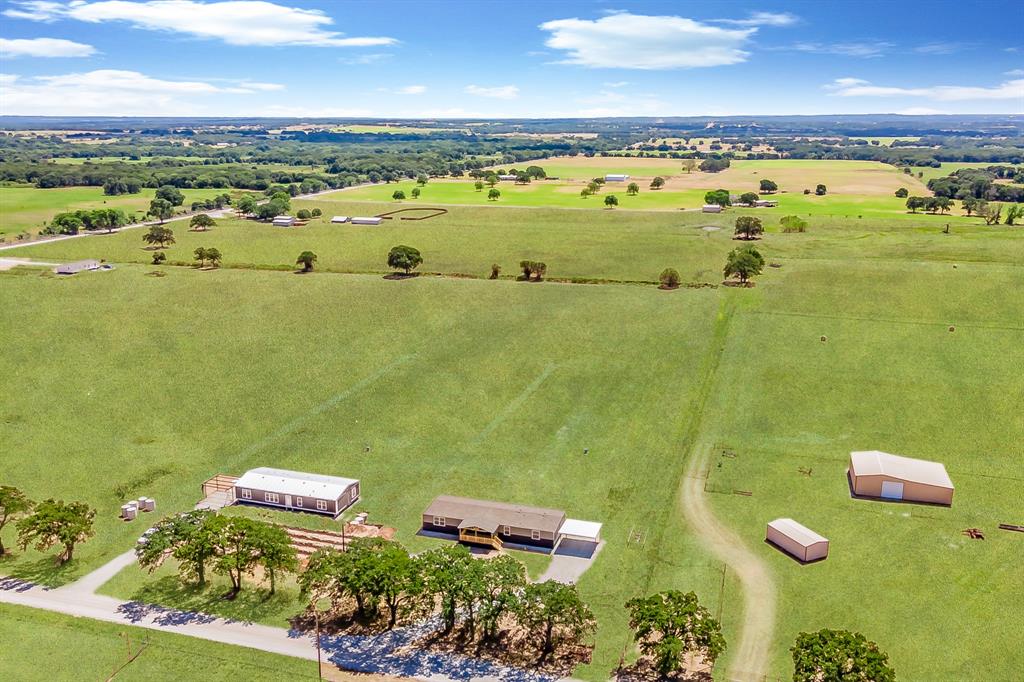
x=159, y=236
x=669, y=278
x=201, y=222
x=839, y=655
x=671, y=624
x=14, y=505
x=306, y=259
x=55, y=522
x=748, y=227
x=744, y=262
x=404, y=258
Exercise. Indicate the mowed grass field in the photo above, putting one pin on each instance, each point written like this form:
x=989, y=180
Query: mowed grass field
x=41, y=646
x=493, y=389
x=25, y=208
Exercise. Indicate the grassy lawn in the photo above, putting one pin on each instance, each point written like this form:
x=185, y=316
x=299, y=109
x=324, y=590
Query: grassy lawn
x=493, y=389
x=83, y=649
x=27, y=208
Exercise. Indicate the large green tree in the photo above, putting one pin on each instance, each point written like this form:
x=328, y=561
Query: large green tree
x=839, y=656
x=744, y=262
x=749, y=227
x=161, y=209
x=170, y=194
x=553, y=612
x=14, y=505
x=238, y=545
x=274, y=552
x=188, y=537
x=201, y=222
x=670, y=624
x=500, y=581
x=718, y=197
x=55, y=522
x=403, y=257
x=445, y=571
x=768, y=186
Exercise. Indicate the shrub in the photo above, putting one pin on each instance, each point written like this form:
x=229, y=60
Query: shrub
x=495, y=270
x=669, y=278
x=316, y=213
x=303, y=214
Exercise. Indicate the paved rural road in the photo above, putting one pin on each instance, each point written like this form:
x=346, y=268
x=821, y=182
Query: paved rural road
x=389, y=653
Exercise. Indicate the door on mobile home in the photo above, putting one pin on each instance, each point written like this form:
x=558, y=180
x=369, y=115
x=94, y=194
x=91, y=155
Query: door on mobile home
x=892, y=490
x=288, y=501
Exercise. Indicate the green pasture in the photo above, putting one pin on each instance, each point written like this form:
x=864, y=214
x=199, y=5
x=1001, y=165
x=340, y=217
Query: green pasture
x=144, y=385
x=40, y=646
x=24, y=208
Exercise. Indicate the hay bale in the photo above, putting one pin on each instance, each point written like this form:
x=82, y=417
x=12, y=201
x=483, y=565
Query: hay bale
x=952, y=328
x=824, y=338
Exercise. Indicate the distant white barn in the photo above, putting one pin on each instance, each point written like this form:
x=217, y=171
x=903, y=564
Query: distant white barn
x=77, y=266
x=616, y=177
x=711, y=208
x=284, y=221
x=367, y=220
x=340, y=219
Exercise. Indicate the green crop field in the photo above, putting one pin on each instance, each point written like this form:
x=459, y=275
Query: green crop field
x=41, y=646
x=27, y=208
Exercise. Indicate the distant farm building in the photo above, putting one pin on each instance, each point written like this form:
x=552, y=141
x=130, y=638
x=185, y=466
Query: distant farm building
x=495, y=524
x=284, y=221
x=507, y=177
x=77, y=266
x=797, y=540
x=766, y=203
x=616, y=177
x=339, y=219
x=711, y=208
x=296, y=491
x=891, y=477
x=367, y=220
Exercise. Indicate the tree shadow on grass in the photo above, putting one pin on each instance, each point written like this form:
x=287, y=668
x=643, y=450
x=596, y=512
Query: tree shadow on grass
x=250, y=605
x=401, y=276
x=45, y=571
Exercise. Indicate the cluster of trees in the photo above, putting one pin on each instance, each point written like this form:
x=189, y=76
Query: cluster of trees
x=480, y=597
x=980, y=183
x=216, y=203
x=72, y=222
x=669, y=625
x=45, y=524
x=768, y=186
x=203, y=255
x=719, y=197
x=930, y=204
x=233, y=546
x=533, y=270
x=792, y=223
x=839, y=655
x=714, y=164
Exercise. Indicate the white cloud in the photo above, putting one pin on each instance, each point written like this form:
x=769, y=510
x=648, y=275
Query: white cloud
x=941, y=48
x=920, y=111
x=631, y=41
x=866, y=50
x=412, y=90
x=1014, y=72
x=6, y=78
x=616, y=84
x=44, y=47
x=363, y=59
x=109, y=92
x=498, y=92
x=857, y=87
x=236, y=22
x=763, y=19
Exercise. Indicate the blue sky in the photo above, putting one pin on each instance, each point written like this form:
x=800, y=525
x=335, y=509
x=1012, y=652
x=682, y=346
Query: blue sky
x=517, y=58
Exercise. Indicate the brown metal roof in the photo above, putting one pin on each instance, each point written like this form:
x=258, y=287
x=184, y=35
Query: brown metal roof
x=485, y=513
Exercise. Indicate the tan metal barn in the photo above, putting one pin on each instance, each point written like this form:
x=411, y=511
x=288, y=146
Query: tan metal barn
x=797, y=540
x=891, y=477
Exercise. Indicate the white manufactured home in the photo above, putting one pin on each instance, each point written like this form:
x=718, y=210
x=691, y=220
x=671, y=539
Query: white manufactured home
x=296, y=491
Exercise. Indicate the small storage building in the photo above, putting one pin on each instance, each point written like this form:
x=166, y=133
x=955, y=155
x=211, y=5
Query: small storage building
x=296, y=491
x=284, y=221
x=766, y=203
x=797, y=540
x=711, y=208
x=367, y=220
x=339, y=219
x=616, y=177
x=892, y=477
x=508, y=176
x=77, y=266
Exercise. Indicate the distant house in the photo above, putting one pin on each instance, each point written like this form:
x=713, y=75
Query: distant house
x=766, y=203
x=367, y=220
x=797, y=540
x=77, y=266
x=711, y=208
x=284, y=221
x=296, y=491
x=616, y=177
x=891, y=477
x=339, y=219
x=483, y=522
x=507, y=177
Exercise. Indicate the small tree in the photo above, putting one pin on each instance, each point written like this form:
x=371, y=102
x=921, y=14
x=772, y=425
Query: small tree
x=669, y=278
x=914, y=203
x=820, y=190
x=527, y=267
x=670, y=624
x=792, y=223
x=316, y=213
x=478, y=185
x=586, y=192
x=187, y=537
x=748, y=198
x=553, y=611
x=170, y=194
x=161, y=209
x=493, y=194
x=200, y=255
x=246, y=204
x=275, y=553
x=398, y=195
x=492, y=179
x=991, y=213
x=159, y=257
x=159, y=236
x=404, y=258
x=54, y=522
x=415, y=193
x=633, y=189
x=839, y=655
x=237, y=547
x=499, y=582
x=495, y=271
x=303, y=214
x=748, y=227
x=306, y=259
x=744, y=262
x=768, y=186
x=658, y=182
x=1013, y=214
x=902, y=193
x=611, y=201
x=689, y=165
x=214, y=256
x=201, y=222
x=14, y=505
x=421, y=179
x=719, y=197
x=444, y=571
